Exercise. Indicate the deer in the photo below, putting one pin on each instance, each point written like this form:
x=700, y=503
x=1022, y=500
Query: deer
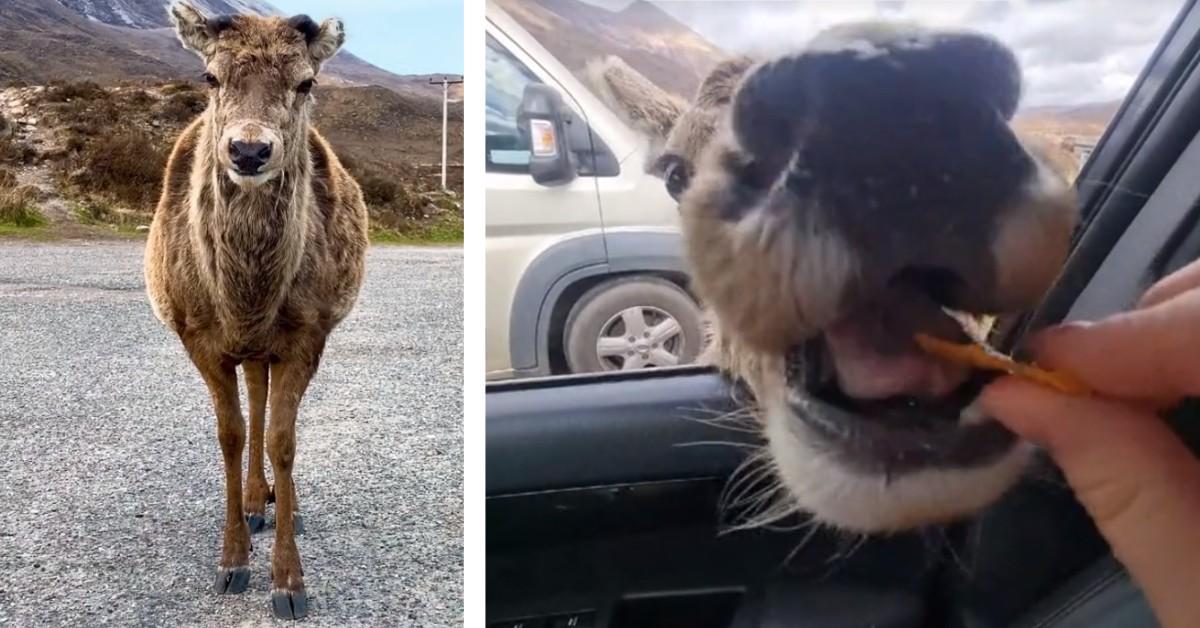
x=255, y=253
x=834, y=201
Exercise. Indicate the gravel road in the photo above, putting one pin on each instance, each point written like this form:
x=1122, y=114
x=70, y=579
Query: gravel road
x=111, y=491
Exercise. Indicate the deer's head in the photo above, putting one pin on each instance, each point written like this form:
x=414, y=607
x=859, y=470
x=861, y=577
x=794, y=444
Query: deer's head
x=835, y=202
x=260, y=72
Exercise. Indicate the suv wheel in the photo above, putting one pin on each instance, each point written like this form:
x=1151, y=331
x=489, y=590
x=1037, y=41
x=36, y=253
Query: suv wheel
x=632, y=323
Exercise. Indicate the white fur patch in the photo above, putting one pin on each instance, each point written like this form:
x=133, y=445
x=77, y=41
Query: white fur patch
x=870, y=39
x=1032, y=237
x=850, y=500
x=252, y=181
x=819, y=261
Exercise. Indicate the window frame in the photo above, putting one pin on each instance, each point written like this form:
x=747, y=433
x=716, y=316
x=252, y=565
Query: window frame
x=595, y=159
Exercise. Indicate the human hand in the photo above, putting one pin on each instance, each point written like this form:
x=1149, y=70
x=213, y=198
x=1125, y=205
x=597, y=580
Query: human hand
x=1138, y=481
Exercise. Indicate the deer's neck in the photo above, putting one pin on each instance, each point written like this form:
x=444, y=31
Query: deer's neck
x=250, y=242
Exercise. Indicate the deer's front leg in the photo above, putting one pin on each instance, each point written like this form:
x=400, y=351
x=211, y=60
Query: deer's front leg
x=221, y=378
x=258, y=492
x=289, y=381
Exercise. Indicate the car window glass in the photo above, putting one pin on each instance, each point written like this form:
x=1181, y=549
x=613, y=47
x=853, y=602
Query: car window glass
x=1079, y=58
x=507, y=148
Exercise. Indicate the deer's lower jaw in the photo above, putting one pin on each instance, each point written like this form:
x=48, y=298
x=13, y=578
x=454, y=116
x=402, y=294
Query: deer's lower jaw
x=858, y=472
x=887, y=463
x=251, y=180
x=871, y=434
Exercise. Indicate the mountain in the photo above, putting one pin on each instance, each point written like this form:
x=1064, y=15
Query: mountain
x=662, y=48
x=93, y=94
x=111, y=41
x=149, y=14
x=1065, y=133
x=1089, y=119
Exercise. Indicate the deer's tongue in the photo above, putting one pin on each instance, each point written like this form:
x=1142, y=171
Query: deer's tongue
x=875, y=356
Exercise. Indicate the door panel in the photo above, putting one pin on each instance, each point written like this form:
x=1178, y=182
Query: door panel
x=523, y=217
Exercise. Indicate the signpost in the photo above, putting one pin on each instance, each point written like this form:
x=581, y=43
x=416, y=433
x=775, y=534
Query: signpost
x=446, y=83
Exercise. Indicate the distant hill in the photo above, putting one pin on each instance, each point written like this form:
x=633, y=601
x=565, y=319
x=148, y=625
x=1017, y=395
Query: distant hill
x=129, y=40
x=94, y=92
x=662, y=48
x=1087, y=119
x=1066, y=133
x=153, y=14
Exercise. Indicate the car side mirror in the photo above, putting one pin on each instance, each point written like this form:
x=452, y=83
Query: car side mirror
x=544, y=118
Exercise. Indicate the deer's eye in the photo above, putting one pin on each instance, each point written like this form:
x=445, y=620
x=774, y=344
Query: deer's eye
x=677, y=174
x=305, y=86
x=211, y=80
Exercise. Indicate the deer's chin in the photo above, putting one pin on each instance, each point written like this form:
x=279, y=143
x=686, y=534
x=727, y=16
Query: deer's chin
x=870, y=470
x=251, y=181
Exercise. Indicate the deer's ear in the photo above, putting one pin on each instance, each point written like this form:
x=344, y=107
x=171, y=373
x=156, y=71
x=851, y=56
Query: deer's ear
x=324, y=39
x=197, y=32
x=644, y=106
x=717, y=88
x=327, y=41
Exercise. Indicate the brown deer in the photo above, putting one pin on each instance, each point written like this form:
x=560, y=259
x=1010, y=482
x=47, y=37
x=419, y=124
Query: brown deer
x=834, y=202
x=256, y=252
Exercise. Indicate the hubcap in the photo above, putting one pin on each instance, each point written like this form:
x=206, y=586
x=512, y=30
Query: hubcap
x=640, y=337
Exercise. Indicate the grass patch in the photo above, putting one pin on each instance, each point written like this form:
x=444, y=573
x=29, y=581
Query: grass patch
x=30, y=233
x=446, y=231
x=97, y=211
x=126, y=166
x=18, y=207
x=75, y=90
x=183, y=106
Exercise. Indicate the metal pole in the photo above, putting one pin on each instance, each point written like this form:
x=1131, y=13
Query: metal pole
x=445, y=105
x=446, y=83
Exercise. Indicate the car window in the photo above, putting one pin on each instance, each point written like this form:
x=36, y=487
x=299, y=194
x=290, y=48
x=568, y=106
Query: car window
x=507, y=148
x=1077, y=62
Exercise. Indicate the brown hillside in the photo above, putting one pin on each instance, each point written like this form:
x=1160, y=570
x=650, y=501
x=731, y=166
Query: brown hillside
x=669, y=53
x=84, y=148
x=1060, y=130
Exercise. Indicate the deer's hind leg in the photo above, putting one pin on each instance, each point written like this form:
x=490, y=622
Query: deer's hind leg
x=258, y=492
x=233, y=574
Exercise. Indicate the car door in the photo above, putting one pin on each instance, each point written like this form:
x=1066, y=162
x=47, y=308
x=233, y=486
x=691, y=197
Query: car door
x=523, y=217
x=605, y=492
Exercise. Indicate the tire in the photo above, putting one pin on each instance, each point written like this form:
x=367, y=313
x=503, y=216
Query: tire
x=608, y=309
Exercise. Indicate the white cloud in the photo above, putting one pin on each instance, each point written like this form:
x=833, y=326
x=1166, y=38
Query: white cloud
x=1072, y=51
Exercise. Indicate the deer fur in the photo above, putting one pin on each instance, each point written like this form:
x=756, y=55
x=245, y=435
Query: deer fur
x=774, y=269
x=257, y=270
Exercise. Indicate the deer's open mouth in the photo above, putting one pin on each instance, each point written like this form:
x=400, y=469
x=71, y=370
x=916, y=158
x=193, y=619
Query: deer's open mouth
x=880, y=404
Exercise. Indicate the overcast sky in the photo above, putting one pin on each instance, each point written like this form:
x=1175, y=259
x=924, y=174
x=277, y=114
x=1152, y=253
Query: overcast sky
x=1072, y=51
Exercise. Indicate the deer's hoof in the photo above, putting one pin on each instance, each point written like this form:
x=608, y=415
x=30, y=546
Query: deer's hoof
x=256, y=523
x=289, y=604
x=232, y=579
x=297, y=524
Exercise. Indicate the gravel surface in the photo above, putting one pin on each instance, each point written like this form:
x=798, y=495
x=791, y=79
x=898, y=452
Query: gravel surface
x=111, y=491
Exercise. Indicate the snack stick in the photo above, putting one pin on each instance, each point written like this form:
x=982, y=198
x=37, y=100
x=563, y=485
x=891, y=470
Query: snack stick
x=985, y=358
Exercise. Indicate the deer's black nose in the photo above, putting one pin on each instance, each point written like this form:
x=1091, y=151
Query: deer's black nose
x=249, y=156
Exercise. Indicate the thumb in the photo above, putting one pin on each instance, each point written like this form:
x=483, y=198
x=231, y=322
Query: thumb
x=1138, y=481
